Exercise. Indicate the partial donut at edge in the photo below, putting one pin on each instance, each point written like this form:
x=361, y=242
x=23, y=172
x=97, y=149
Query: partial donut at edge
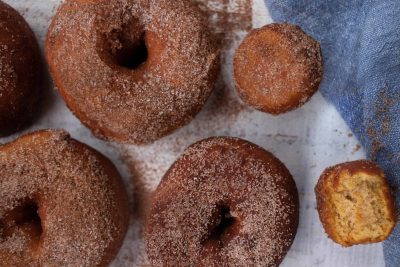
x=21, y=72
x=80, y=197
x=223, y=174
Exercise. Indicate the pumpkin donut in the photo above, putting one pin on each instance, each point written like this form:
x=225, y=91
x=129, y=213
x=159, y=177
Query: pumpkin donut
x=62, y=203
x=132, y=71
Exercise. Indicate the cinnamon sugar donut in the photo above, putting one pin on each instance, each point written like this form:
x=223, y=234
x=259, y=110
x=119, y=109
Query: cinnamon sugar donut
x=20, y=72
x=278, y=68
x=132, y=70
x=224, y=202
x=62, y=203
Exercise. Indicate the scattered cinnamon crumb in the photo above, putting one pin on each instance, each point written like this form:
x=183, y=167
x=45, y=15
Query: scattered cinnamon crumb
x=356, y=149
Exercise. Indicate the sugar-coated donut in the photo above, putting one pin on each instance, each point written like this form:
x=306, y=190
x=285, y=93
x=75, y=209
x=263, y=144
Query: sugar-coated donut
x=224, y=202
x=20, y=72
x=132, y=70
x=62, y=203
x=277, y=68
x=355, y=204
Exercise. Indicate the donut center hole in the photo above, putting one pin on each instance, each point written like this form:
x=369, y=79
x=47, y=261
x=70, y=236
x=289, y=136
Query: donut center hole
x=23, y=218
x=126, y=47
x=132, y=54
x=224, y=221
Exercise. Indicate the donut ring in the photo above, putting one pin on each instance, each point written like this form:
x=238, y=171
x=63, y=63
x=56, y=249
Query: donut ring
x=20, y=72
x=224, y=202
x=132, y=71
x=62, y=203
x=277, y=68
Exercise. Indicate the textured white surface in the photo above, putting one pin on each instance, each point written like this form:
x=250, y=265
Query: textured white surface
x=307, y=141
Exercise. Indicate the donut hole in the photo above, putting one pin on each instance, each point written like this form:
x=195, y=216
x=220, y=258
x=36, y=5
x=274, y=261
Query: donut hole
x=360, y=209
x=132, y=54
x=23, y=218
x=223, y=221
x=125, y=47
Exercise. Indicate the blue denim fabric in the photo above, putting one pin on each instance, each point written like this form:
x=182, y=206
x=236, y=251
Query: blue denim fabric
x=361, y=47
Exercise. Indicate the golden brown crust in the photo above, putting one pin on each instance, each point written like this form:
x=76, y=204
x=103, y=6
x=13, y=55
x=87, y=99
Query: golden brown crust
x=332, y=182
x=63, y=203
x=277, y=68
x=224, y=202
x=20, y=72
x=141, y=100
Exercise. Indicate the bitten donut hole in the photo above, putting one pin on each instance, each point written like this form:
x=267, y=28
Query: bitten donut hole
x=224, y=221
x=24, y=218
x=361, y=211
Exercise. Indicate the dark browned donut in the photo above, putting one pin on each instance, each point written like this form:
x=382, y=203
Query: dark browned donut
x=62, y=203
x=132, y=70
x=224, y=202
x=20, y=71
x=277, y=68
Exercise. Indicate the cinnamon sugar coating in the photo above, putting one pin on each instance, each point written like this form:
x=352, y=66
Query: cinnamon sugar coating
x=62, y=203
x=277, y=68
x=132, y=70
x=20, y=72
x=224, y=202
